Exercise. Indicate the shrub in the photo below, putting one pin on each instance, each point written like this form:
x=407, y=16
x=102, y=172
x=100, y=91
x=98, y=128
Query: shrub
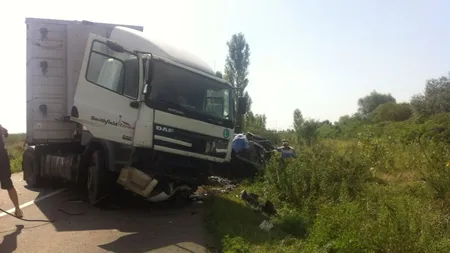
x=15, y=145
x=386, y=221
x=319, y=174
x=334, y=195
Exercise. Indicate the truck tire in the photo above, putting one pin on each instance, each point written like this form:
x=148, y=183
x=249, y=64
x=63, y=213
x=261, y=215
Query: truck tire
x=30, y=168
x=98, y=178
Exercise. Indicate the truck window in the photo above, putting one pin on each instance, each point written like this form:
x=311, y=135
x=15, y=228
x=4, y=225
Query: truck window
x=118, y=72
x=191, y=91
x=131, y=77
x=216, y=102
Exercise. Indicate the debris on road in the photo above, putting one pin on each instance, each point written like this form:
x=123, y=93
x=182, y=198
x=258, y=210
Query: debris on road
x=225, y=184
x=220, y=181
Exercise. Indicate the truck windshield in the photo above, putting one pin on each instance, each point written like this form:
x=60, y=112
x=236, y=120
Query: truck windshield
x=190, y=93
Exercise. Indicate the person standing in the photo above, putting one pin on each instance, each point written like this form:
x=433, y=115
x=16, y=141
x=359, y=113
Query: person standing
x=286, y=150
x=5, y=173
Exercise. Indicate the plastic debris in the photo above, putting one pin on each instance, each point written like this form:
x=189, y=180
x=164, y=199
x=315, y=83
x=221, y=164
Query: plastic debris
x=266, y=225
x=253, y=200
x=220, y=181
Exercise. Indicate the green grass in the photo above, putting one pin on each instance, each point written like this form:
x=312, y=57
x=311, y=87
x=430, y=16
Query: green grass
x=236, y=227
x=370, y=195
x=14, y=145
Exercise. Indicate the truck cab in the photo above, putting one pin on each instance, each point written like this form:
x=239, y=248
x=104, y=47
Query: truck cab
x=145, y=115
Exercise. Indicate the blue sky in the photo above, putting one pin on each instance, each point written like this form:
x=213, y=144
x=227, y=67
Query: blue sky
x=318, y=56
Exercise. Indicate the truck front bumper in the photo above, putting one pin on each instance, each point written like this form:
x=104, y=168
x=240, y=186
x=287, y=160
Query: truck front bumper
x=137, y=181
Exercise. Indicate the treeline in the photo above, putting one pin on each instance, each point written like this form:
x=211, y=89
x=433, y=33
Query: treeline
x=426, y=116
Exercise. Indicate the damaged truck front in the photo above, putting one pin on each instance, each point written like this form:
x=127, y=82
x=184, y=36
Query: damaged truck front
x=108, y=106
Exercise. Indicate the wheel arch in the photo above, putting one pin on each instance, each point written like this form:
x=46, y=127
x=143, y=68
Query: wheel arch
x=91, y=143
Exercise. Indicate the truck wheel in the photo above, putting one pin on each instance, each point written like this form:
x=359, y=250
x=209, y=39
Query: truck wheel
x=96, y=178
x=30, y=167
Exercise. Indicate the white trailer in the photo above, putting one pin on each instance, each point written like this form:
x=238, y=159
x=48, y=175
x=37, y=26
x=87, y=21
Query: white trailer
x=108, y=104
x=55, y=52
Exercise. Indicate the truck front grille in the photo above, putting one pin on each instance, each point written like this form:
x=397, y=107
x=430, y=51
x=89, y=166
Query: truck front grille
x=189, y=141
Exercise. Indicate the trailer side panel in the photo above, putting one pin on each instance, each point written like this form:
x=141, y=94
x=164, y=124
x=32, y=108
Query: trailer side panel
x=55, y=50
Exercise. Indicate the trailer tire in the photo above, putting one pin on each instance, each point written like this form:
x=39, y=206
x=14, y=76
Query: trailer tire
x=98, y=178
x=31, y=167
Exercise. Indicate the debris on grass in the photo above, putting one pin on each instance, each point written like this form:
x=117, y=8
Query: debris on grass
x=266, y=225
x=253, y=200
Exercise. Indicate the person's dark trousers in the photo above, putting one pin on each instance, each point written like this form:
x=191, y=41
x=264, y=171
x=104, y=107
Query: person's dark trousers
x=5, y=169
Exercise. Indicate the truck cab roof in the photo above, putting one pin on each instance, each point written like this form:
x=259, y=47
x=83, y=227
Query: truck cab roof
x=137, y=40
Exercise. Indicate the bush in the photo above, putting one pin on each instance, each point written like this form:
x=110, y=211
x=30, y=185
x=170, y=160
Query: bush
x=436, y=168
x=319, y=174
x=387, y=221
x=392, y=111
x=15, y=145
x=369, y=195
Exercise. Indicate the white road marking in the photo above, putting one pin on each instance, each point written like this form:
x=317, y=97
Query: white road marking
x=29, y=203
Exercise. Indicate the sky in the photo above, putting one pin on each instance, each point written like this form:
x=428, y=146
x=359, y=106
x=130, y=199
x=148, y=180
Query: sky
x=319, y=56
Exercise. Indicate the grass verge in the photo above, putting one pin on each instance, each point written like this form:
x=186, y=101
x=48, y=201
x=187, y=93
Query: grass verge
x=373, y=196
x=14, y=145
x=235, y=226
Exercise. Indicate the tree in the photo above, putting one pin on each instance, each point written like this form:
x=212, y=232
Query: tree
x=419, y=105
x=298, y=120
x=326, y=122
x=392, y=112
x=349, y=120
x=309, y=131
x=436, y=98
x=219, y=74
x=249, y=117
x=236, y=69
x=256, y=122
x=327, y=131
x=369, y=103
x=249, y=101
x=306, y=130
x=349, y=125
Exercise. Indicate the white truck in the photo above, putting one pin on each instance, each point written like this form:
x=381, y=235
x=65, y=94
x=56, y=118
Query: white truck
x=107, y=105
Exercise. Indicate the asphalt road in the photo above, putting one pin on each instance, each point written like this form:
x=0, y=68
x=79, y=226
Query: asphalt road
x=130, y=228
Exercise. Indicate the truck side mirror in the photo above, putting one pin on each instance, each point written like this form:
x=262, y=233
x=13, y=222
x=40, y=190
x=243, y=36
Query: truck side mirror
x=147, y=75
x=242, y=105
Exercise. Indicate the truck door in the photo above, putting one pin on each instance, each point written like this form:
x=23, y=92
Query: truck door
x=106, y=97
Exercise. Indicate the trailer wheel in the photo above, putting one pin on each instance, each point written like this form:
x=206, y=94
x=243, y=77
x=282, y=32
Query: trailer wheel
x=30, y=167
x=97, y=178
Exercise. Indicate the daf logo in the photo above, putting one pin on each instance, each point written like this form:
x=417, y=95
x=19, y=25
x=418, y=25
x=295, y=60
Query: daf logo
x=164, y=129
